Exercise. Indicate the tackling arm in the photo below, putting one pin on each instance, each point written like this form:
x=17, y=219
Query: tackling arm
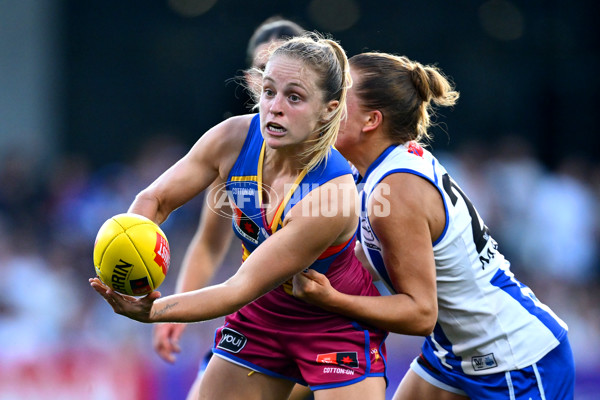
x=415, y=219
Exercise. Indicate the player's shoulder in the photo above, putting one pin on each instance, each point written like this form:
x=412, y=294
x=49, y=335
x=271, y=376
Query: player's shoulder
x=335, y=165
x=228, y=135
x=236, y=127
x=410, y=152
x=403, y=158
x=339, y=160
x=223, y=142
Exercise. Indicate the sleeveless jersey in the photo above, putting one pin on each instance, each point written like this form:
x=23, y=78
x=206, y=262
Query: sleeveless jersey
x=338, y=263
x=488, y=321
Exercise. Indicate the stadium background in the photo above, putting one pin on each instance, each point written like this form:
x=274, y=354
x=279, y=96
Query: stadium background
x=98, y=97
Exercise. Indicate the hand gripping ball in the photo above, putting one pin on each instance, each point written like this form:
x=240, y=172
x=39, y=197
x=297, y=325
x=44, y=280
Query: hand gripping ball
x=131, y=254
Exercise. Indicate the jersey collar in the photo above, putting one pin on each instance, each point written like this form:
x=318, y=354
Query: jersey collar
x=378, y=161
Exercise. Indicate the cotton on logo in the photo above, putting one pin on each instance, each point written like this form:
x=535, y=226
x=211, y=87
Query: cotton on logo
x=345, y=359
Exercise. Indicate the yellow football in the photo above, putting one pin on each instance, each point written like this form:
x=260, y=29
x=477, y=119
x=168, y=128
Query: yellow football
x=131, y=254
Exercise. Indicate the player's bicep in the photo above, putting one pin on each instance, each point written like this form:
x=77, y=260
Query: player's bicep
x=404, y=233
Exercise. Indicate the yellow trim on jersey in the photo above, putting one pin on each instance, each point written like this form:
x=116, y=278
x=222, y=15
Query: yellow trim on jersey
x=243, y=178
x=286, y=199
x=259, y=174
x=277, y=218
x=288, y=287
x=259, y=180
x=245, y=253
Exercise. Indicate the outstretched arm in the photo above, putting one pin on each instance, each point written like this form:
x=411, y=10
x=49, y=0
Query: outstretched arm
x=208, y=161
x=290, y=250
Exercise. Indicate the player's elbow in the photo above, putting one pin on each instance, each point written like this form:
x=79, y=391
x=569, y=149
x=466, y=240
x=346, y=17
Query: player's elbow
x=419, y=322
x=425, y=324
x=422, y=320
x=148, y=202
x=426, y=320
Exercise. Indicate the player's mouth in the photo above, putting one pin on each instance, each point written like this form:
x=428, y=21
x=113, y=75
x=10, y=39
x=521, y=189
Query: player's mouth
x=275, y=129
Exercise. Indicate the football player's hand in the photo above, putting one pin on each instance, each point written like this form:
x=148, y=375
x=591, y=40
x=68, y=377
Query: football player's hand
x=312, y=287
x=136, y=308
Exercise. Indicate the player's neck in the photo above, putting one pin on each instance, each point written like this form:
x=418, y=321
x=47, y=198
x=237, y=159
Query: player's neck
x=285, y=161
x=365, y=154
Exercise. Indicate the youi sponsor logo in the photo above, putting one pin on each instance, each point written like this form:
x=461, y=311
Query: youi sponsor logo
x=232, y=341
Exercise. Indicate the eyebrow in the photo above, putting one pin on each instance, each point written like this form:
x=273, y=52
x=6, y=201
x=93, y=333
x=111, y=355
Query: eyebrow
x=294, y=84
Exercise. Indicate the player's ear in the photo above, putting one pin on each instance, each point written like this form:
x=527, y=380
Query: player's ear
x=373, y=120
x=329, y=111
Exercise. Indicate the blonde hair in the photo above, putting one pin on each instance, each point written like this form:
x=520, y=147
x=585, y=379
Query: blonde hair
x=403, y=90
x=328, y=59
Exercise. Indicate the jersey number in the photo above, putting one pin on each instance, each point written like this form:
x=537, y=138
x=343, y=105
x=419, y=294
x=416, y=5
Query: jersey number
x=480, y=231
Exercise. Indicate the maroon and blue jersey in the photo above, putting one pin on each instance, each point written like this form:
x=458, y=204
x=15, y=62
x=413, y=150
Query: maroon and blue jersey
x=338, y=263
x=279, y=334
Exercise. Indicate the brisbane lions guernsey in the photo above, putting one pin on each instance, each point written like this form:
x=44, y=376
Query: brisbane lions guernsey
x=488, y=321
x=338, y=263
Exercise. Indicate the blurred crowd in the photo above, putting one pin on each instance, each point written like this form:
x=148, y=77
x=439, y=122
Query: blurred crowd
x=55, y=330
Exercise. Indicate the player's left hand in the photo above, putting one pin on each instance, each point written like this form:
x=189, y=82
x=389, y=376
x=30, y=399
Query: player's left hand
x=312, y=287
x=137, y=308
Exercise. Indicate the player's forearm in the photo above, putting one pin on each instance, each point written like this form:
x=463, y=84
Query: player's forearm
x=395, y=313
x=196, y=306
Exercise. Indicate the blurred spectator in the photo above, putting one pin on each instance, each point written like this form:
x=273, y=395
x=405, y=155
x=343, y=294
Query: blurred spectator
x=37, y=301
x=559, y=237
x=513, y=172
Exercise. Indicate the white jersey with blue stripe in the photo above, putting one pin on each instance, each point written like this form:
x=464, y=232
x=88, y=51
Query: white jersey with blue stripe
x=488, y=321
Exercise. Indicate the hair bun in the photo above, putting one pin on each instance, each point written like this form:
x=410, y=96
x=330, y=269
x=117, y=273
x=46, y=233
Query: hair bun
x=420, y=79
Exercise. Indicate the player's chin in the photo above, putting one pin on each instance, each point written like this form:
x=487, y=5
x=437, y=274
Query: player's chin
x=276, y=142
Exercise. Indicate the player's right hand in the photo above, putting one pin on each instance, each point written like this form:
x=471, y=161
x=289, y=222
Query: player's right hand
x=165, y=340
x=312, y=287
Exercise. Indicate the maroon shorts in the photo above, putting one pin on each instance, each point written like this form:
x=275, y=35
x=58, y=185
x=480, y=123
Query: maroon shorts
x=322, y=360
